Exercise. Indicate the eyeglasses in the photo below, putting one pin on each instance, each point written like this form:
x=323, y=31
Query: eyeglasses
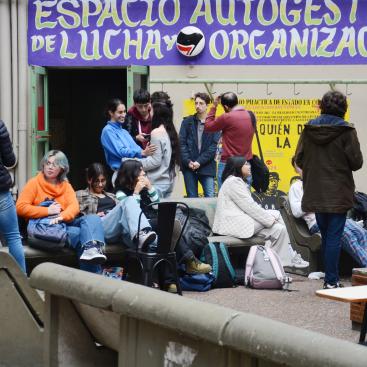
x=51, y=164
x=99, y=182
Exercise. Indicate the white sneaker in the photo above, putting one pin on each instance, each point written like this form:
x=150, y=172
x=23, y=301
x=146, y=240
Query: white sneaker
x=93, y=253
x=146, y=237
x=298, y=262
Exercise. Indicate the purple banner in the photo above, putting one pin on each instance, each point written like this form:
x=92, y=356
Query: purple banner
x=237, y=32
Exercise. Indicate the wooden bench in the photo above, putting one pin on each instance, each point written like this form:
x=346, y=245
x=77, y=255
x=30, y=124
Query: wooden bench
x=350, y=294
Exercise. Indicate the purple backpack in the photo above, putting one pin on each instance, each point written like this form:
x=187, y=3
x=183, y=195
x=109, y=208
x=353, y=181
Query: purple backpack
x=264, y=269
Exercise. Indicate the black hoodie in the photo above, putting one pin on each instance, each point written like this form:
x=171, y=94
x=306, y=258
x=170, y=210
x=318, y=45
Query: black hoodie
x=327, y=152
x=7, y=158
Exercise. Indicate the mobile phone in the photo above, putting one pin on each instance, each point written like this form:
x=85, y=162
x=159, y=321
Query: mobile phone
x=147, y=137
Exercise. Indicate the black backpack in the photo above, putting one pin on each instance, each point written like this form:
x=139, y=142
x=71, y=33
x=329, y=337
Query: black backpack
x=216, y=254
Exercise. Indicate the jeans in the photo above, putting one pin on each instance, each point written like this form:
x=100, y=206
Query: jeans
x=83, y=230
x=9, y=228
x=122, y=222
x=331, y=228
x=191, y=182
x=164, y=190
x=221, y=166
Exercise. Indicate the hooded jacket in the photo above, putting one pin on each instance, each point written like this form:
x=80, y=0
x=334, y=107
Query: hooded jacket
x=7, y=158
x=327, y=152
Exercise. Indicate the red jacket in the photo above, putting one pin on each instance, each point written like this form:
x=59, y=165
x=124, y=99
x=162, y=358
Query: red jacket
x=237, y=131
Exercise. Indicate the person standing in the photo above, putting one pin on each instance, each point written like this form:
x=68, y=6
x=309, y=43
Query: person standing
x=138, y=120
x=116, y=141
x=327, y=152
x=198, y=150
x=8, y=218
x=236, y=126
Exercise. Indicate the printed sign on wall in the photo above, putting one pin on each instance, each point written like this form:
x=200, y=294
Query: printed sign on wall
x=242, y=32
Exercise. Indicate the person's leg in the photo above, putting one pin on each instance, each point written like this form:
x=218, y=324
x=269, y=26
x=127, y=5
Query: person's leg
x=191, y=183
x=86, y=232
x=123, y=221
x=221, y=166
x=163, y=190
x=10, y=229
x=354, y=241
x=334, y=230
x=207, y=182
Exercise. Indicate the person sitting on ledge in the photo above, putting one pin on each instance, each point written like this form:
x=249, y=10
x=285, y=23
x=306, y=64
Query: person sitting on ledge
x=238, y=215
x=119, y=218
x=84, y=233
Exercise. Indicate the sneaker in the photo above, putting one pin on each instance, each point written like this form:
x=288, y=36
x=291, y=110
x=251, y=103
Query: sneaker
x=194, y=266
x=298, y=262
x=146, y=237
x=92, y=253
x=333, y=286
x=171, y=288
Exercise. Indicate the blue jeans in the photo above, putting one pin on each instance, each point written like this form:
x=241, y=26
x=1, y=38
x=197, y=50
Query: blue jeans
x=191, y=182
x=83, y=230
x=122, y=222
x=221, y=166
x=331, y=228
x=9, y=228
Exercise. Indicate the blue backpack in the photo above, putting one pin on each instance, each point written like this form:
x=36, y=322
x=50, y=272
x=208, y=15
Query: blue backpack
x=216, y=254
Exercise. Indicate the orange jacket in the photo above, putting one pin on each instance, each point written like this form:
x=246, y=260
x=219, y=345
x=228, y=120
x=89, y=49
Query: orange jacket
x=37, y=190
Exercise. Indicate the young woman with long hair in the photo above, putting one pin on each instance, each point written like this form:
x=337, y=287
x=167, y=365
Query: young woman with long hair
x=238, y=215
x=162, y=164
x=119, y=218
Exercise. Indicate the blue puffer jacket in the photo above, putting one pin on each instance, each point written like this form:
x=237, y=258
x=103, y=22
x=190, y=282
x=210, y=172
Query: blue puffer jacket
x=190, y=150
x=7, y=158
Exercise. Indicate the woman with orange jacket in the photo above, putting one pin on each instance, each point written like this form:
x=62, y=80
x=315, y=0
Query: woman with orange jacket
x=84, y=233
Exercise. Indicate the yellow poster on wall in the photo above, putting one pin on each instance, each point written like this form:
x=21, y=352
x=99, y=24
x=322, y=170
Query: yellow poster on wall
x=279, y=124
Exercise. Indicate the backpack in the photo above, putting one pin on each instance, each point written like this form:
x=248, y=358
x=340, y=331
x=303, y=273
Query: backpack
x=360, y=206
x=216, y=254
x=196, y=282
x=264, y=269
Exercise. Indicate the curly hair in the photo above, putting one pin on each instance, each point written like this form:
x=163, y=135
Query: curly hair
x=163, y=115
x=334, y=103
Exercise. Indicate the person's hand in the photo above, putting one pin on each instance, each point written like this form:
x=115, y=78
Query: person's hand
x=216, y=101
x=54, y=208
x=140, y=185
x=101, y=214
x=141, y=138
x=146, y=181
x=196, y=165
x=56, y=220
x=149, y=150
x=191, y=165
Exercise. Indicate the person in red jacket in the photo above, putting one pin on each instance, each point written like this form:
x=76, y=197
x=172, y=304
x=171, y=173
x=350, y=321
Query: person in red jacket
x=85, y=233
x=236, y=127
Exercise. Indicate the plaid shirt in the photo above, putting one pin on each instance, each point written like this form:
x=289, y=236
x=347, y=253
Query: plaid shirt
x=88, y=202
x=354, y=241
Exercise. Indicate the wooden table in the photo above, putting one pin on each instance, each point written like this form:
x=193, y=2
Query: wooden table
x=350, y=294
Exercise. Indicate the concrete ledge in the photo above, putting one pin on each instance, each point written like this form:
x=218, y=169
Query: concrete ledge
x=243, y=333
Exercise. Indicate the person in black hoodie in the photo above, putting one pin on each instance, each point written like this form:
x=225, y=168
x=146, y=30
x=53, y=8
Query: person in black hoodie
x=327, y=152
x=8, y=217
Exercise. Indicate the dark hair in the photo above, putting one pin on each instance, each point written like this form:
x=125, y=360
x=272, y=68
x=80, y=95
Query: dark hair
x=141, y=96
x=112, y=105
x=160, y=96
x=95, y=170
x=233, y=167
x=204, y=96
x=163, y=114
x=293, y=161
x=334, y=103
x=127, y=175
x=229, y=99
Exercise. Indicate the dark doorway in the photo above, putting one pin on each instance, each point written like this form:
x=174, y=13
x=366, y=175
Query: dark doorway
x=77, y=98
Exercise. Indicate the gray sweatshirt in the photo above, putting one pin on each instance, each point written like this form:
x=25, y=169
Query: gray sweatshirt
x=157, y=165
